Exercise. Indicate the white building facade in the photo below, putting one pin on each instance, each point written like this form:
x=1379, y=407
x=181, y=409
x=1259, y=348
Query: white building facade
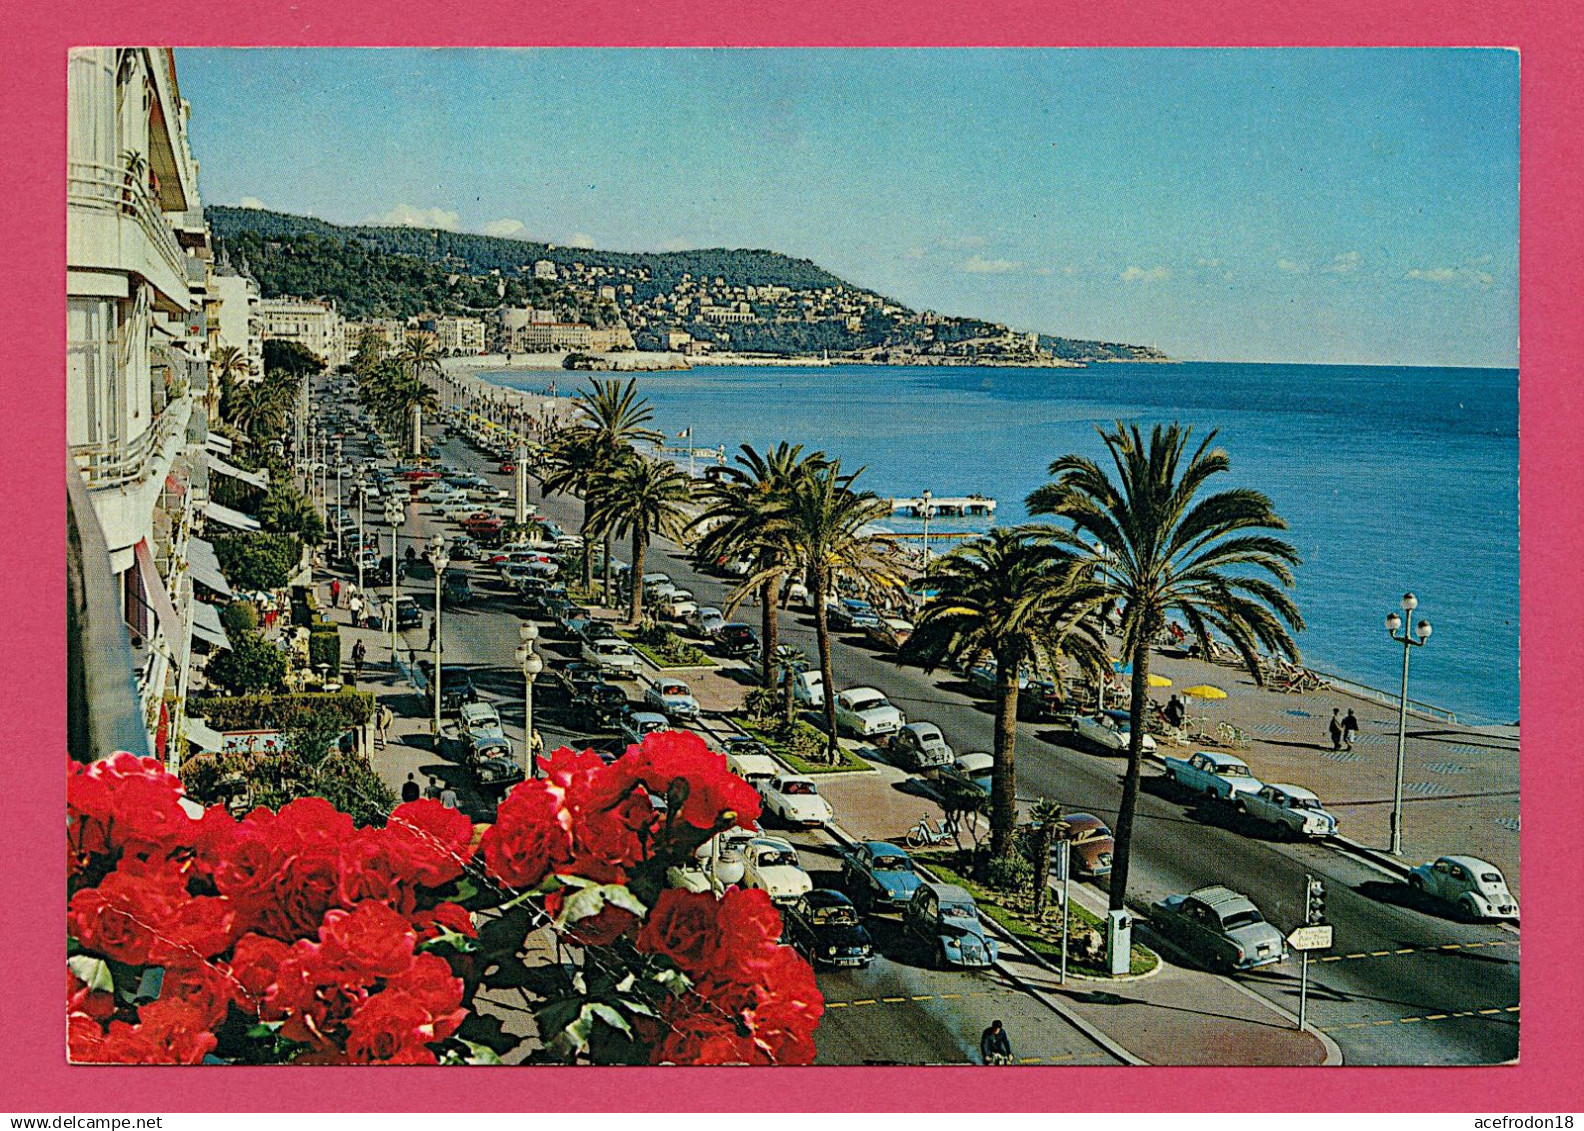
x=314, y=324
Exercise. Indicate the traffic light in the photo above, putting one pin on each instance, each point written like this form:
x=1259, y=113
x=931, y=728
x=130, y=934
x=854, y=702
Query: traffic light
x=1314, y=901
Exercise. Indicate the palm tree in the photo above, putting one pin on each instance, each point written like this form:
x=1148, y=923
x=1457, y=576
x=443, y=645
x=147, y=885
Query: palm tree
x=574, y=462
x=1005, y=595
x=226, y=364
x=646, y=498
x=1163, y=549
x=744, y=516
x=827, y=521
x=420, y=359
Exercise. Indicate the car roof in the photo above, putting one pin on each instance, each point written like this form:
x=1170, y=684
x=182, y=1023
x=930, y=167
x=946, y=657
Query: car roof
x=647, y=717
x=1083, y=821
x=864, y=691
x=668, y=686
x=881, y=848
x=1223, y=899
x=795, y=777
x=1472, y=863
x=922, y=729
x=737, y=625
x=950, y=893
x=827, y=897
x=976, y=758
x=1293, y=790
x=1222, y=759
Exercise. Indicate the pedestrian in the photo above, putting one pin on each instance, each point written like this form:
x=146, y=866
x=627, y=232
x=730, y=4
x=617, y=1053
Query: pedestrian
x=433, y=791
x=994, y=1045
x=410, y=791
x=359, y=654
x=1174, y=712
x=383, y=717
x=1350, y=729
x=448, y=798
x=356, y=605
x=1336, y=728
x=335, y=592
x=432, y=625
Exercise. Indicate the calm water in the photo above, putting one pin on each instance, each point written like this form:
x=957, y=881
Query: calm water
x=1391, y=479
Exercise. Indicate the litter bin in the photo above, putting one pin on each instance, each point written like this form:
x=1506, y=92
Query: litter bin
x=1119, y=941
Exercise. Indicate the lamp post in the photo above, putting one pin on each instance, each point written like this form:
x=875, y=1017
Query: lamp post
x=395, y=513
x=340, y=462
x=360, y=485
x=925, y=511
x=1409, y=643
x=521, y=468
x=532, y=664
x=439, y=559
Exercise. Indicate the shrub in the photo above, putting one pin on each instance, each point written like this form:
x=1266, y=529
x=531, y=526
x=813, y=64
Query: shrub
x=763, y=705
x=239, y=617
x=253, y=664
x=283, y=712
x=324, y=647
x=258, y=561
x=1009, y=873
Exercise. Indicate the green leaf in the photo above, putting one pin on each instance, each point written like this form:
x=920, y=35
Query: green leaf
x=92, y=972
x=486, y=1031
x=264, y=1029
x=457, y=942
x=481, y=1054
x=591, y=900
x=608, y=1015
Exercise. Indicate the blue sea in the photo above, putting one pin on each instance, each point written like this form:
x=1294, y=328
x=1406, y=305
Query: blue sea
x=1392, y=479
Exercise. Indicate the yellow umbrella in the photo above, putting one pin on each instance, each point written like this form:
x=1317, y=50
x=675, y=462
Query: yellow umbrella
x=1205, y=691
x=1159, y=680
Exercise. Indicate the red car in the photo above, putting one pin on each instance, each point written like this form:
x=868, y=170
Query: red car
x=507, y=467
x=418, y=474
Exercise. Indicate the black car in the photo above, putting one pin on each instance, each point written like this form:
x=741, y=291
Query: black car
x=577, y=676
x=737, y=640
x=824, y=925
x=600, y=706
x=458, y=589
x=408, y=614
x=456, y=685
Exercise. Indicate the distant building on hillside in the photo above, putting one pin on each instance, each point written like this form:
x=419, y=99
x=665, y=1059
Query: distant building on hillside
x=235, y=299
x=544, y=269
x=460, y=335
x=312, y=323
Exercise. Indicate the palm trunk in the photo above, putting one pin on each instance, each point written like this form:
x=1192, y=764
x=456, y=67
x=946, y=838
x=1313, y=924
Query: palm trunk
x=605, y=579
x=822, y=633
x=1042, y=854
x=1123, y=853
x=768, y=628
x=1003, y=774
x=588, y=557
x=639, y=545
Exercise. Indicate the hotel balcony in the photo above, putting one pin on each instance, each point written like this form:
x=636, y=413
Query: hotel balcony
x=114, y=224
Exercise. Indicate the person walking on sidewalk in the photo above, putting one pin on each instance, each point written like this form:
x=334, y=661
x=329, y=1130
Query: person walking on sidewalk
x=356, y=605
x=994, y=1045
x=432, y=791
x=359, y=654
x=335, y=593
x=1336, y=728
x=383, y=718
x=1350, y=729
x=410, y=791
x=448, y=797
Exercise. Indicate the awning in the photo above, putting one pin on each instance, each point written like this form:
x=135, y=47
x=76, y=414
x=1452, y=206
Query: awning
x=207, y=627
x=159, y=600
x=229, y=517
x=205, y=566
x=218, y=443
x=259, y=479
x=204, y=737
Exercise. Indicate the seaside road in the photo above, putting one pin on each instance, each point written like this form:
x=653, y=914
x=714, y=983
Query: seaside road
x=1362, y=1002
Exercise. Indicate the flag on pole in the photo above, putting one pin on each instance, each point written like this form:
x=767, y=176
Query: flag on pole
x=685, y=434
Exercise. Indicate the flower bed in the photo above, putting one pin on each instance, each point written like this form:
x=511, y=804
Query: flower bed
x=802, y=747
x=1014, y=912
x=665, y=649
x=297, y=937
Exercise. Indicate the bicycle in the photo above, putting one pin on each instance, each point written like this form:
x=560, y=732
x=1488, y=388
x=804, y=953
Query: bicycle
x=927, y=832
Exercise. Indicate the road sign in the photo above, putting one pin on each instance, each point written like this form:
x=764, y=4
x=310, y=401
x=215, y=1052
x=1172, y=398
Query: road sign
x=1316, y=937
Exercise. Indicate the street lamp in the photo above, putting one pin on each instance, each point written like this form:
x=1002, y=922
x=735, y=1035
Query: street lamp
x=532, y=664
x=360, y=485
x=340, y=463
x=439, y=559
x=1408, y=641
x=925, y=509
x=395, y=514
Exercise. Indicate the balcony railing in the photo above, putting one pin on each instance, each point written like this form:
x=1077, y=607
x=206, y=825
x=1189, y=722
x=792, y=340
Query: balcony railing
x=119, y=463
x=106, y=189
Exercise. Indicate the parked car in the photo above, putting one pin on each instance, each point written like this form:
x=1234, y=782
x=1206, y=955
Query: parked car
x=1111, y=731
x=795, y=592
x=866, y=712
x=795, y=800
x=464, y=549
x=736, y=639
x=879, y=876
x=921, y=747
x=890, y=632
x=1291, y=808
x=971, y=769
x=574, y=677
x=824, y=925
x=706, y=621
x=1220, y=927
x=771, y=864
x=639, y=723
x=750, y=760
x=945, y=918
x=1092, y=844
x=808, y=689
x=458, y=588
x=672, y=698
x=408, y=614
x=456, y=685
x=490, y=758
x=982, y=677
x=613, y=656
x=849, y=614
x=676, y=605
x=1475, y=888
x=1214, y=774
x=600, y=705
x=479, y=718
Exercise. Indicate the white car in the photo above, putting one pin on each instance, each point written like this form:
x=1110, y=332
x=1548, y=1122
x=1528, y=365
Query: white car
x=706, y=621
x=677, y=604
x=1111, y=731
x=795, y=800
x=481, y=719
x=758, y=770
x=771, y=865
x=797, y=593
x=673, y=698
x=1289, y=807
x=808, y=688
x=1475, y=887
x=866, y=712
x=613, y=656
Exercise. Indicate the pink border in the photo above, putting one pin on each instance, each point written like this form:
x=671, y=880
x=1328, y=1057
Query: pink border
x=31, y=604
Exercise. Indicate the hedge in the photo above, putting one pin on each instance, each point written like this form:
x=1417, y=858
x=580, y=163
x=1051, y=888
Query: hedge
x=257, y=561
x=324, y=647
x=282, y=712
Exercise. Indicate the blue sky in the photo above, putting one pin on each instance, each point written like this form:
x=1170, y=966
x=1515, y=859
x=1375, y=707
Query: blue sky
x=1283, y=205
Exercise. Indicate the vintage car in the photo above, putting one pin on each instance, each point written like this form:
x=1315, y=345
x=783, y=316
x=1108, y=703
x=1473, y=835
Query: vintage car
x=737, y=639
x=1214, y=774
x=824, y=925
x=750, y=760
x=795, y=800
x=1219, y=927
x=879, y=875
x=613, y=656
x=1092, y=844
x=946, y=920
x=771, y=864
x=672, y=698
x=479, y=718
x=1111, y=731
x=1291, y=808
x=921, y=747
x=866, y=712
x=973, y=769
x=639, y=723
x=600, y=705
x=1475, y=888
x=489, y=756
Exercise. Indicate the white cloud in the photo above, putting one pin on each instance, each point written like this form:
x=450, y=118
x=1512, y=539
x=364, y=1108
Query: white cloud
x=675, y=243
x=1142, y=275
x=1292, y=267
x=580, y=239
x=407, y=216
x=963, y=242
x=251, y=202
x=913, y=253
x=1344, y=264
x=979, y=265
x=1467, y=275
x=502, y=228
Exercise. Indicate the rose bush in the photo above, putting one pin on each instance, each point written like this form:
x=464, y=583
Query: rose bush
x=294, y=936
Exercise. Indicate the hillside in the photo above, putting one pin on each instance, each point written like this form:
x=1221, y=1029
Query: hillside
x=739, y=300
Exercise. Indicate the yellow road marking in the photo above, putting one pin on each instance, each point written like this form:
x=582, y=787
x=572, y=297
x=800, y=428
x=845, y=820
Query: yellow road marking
x=1360, y=954
x=1388, y=1022
x=1332, y=958
x=1512, y=1009
x=1379, y=953
x=923, y=997
x=1030, y=1059
x=950, y=997
x=1406, y=950
x=836, y=1005
x=1409, y=1020
x=864, y=1001
x=1413, y=1020
x=1452, y=946
x=1435, y=1017
x=1490, y=1011
x=893, y=999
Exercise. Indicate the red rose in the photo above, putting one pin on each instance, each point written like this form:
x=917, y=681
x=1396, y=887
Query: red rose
x=88, y=813
x=443, y=917
x=373, y=868
x=530, y=837
x=676, y=764
x=311, y=887
x=166, y=1033
x=700, y=1035
x=602, y=928
x=683, y=926
x=433, y=839
x=98, y=1004
x=122, y=918
x=125, y=803
x=312, y=995
x=205, y=992
x=314, y=821
x=430, y=982
x=371, y=941
x=84, y=1040
x=615, y=837
x=390, y=1028
x=254, y=964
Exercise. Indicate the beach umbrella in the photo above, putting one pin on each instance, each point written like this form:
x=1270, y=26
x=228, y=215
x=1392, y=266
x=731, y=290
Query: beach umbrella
x=1159, y=680
x=1205, y=691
